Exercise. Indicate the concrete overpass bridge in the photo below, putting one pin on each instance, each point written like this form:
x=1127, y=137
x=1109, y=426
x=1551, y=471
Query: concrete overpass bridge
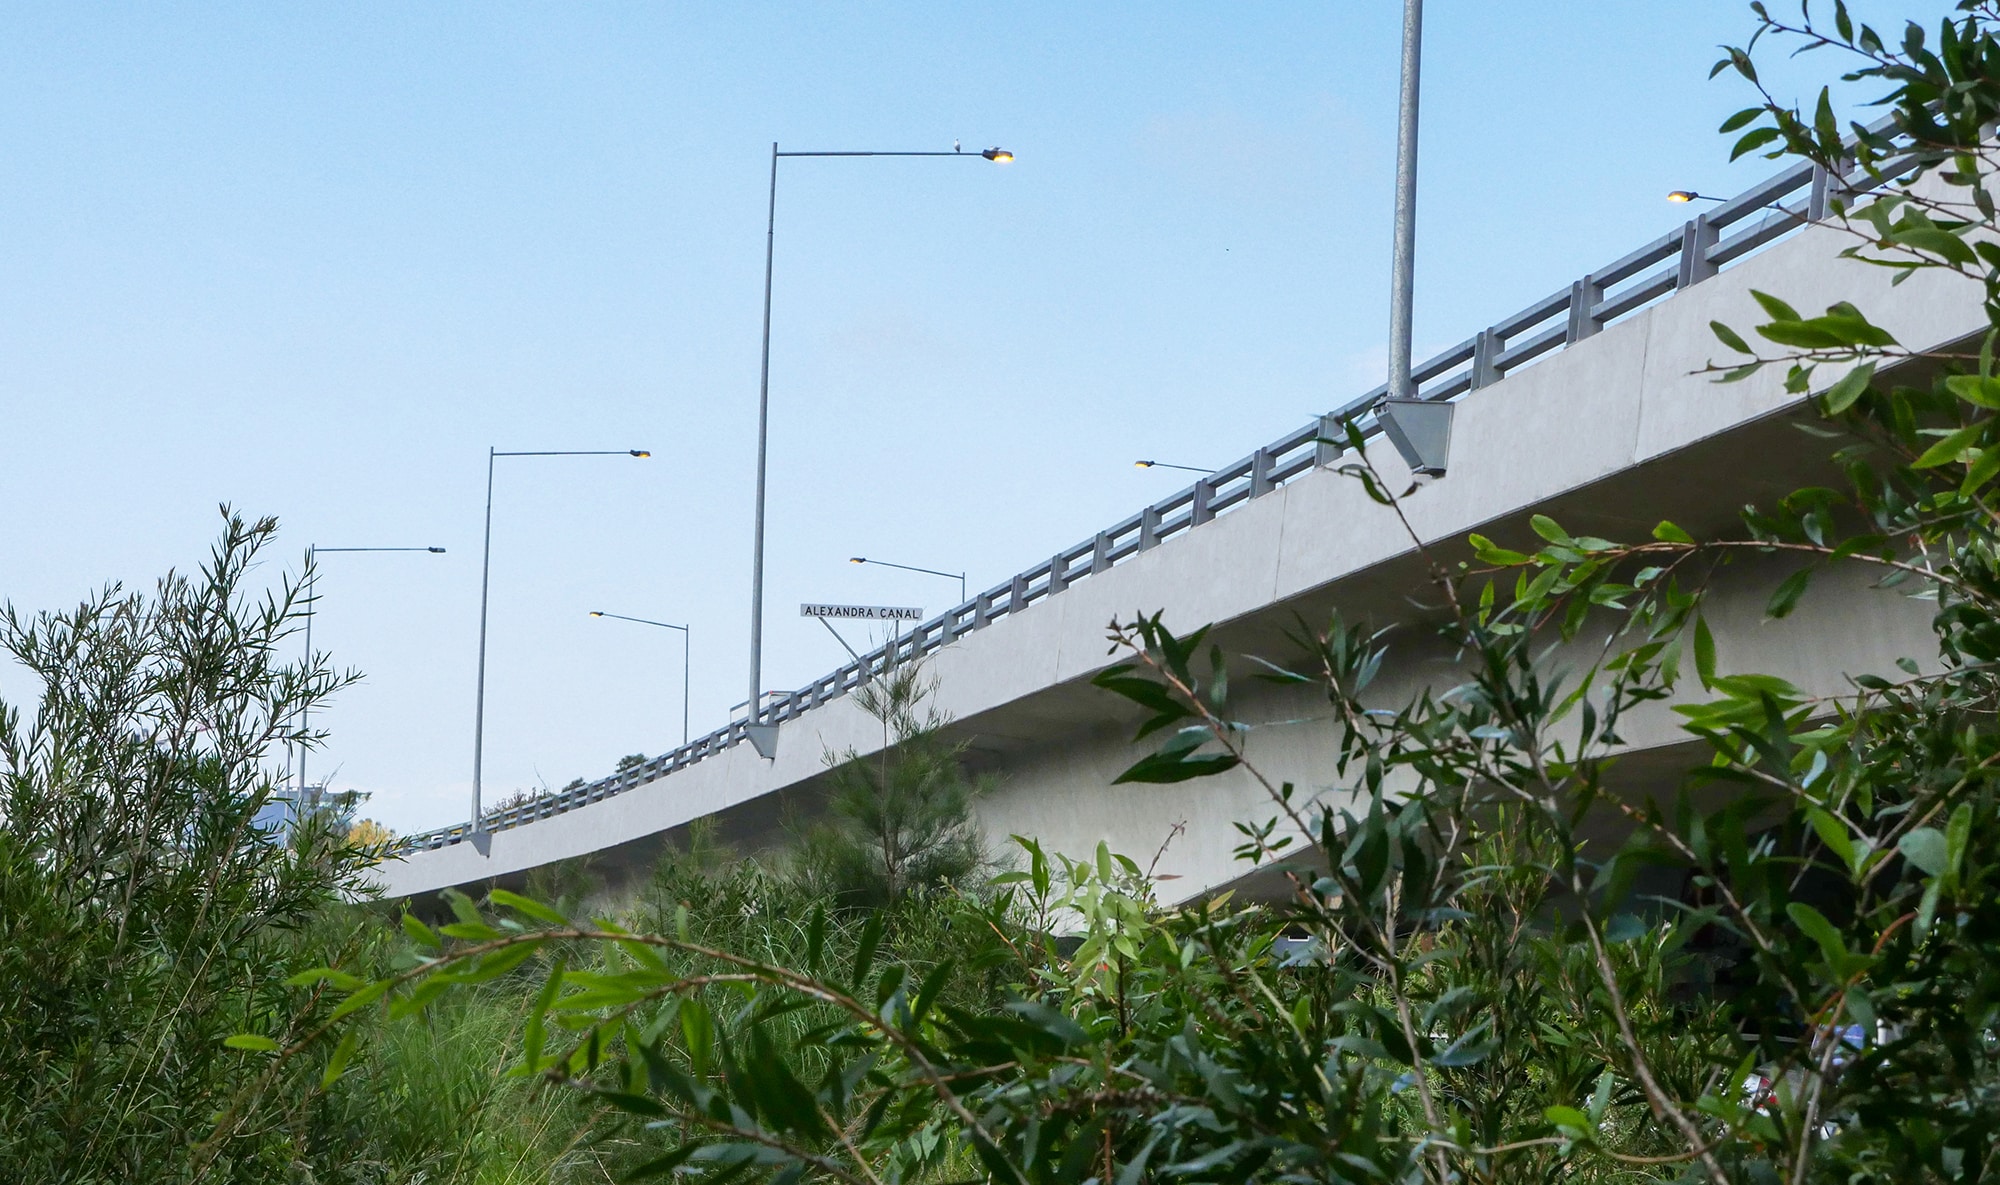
x=1583, y=406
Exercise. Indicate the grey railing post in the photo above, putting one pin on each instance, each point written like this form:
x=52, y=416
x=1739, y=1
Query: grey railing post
x=1696, y=238
x=1485, y=350
x=1816, y=202
x=1017, y=594
x=1260, y=473
x=1100, y=553
x=1326, y=449
x=1058, y=574
x=1198, y=511
x=1583, y=297
x=1149, y=528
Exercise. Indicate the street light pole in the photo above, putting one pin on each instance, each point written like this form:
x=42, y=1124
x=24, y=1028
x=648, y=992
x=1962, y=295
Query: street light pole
x=478, y=824
x=1405, y=251
x=958, y=576
x=755, y=708
x=313, y=551
x=687, y=644
x=1419, y=428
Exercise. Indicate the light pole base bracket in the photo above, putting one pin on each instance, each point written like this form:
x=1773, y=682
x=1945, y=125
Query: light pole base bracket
x=1421, y=431
x=764, y=739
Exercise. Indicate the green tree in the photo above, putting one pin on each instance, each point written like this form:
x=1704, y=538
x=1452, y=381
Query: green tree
x=144, y=917
x=901, y=821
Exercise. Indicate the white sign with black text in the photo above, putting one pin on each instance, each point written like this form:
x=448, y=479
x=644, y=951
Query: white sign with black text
x=862, y=612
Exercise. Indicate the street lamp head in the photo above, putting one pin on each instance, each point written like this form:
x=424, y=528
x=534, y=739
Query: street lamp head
x=639, y=452
x=1683, y=195
x=597, y=612
x=435, y=550
x=998, y=156
x=857, y=559
x=1144, y=464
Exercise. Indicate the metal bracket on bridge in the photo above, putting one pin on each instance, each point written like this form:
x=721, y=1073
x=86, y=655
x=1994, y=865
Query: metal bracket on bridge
x=482, y=841
x=1421, y=431
x=764, y=739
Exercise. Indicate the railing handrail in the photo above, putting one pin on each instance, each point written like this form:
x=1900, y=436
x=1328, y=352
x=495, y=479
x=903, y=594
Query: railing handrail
x=1668, y=264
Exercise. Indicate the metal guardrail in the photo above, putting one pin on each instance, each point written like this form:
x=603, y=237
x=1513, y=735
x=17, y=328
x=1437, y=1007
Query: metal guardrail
x=1709, y=242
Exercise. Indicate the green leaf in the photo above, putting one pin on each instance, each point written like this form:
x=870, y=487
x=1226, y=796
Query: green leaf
x=337, y=1064
x=1833, y=833
x=1931, y=240
x=532, y=908
x=1951, y=447
x=1704, y=653
x=421, y=934
x=864, y=953
x=1624, y=927
x=1786, y=598
x=1861, y=1006
x=1488, y=553
x=339, y=979
x=362, y=998
x=1547, y=528
x=1821, y=931
x=1572, y=1122
x=470, y=931
x=1753, y=140
x=660, y=1166
x=1956, y=833
x=1984, y=467
x=253, y=1042
x=1729, y=337
x=1850, y=387
x=1777, y=309
x=1926, y=848
x=1667, y=532
x=1977, y=390
x=1738, y=120
x=536, y=1028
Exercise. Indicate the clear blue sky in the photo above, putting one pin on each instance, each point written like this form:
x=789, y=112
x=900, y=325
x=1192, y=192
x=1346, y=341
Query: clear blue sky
x=313, y=259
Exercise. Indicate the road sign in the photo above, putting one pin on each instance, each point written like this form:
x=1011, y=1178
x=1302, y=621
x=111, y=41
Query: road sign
x=862, y=612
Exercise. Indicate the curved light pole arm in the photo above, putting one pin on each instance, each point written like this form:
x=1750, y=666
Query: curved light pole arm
x=687, y=657
x=958, y=576
x=312, y=605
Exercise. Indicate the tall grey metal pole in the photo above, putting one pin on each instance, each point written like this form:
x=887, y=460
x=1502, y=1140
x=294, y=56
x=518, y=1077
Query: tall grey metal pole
x=763, y=428
x=479, y=711
x=1406, y=205
x=305, y=717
